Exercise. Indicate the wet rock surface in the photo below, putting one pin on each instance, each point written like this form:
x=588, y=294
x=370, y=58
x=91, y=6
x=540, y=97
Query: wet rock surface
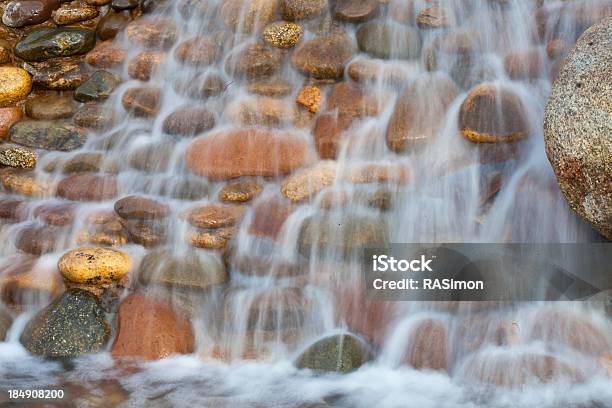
x=341, y=353
x=71, y=326
x=47, y=135
x=150, y=329
x=48, y=43
x=93, y=266
x=213, y=155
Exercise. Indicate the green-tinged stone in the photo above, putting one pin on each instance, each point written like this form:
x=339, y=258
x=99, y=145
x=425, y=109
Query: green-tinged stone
x=47, y=135
x=98, y=87
x=48, y=43
x=340, y=353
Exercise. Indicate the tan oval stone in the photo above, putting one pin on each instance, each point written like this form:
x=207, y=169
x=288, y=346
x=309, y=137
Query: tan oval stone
x=308, y=182
x=15, y=85
x=94, y=265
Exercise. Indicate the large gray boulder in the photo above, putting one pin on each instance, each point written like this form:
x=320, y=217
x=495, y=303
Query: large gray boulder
x=578, y=127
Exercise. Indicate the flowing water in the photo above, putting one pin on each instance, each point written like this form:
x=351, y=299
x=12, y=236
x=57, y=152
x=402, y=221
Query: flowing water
x=280, y=298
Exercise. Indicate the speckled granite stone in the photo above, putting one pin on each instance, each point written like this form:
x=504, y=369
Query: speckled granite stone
x=578, y=127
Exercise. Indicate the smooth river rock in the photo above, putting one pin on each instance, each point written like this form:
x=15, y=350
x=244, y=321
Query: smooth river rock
x=241, y=152
x=72, y=325
x=15, y=85
x=15, y=156
x=94, y=265
x=191, y=269
x=324, y=57
x=19, y=13
x=47, y=135
x=47, y=43
x=578, y=127
x=340, y=353
x=150, y=329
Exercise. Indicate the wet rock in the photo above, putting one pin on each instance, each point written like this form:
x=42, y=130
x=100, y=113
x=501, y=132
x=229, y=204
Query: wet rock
x=124, y=4
x=72, y=325
x=260, y=111
x=211, y=238
x=200, y=50
x=150, y=329
x=253, y=61
x=355, y=11
x=389, y=40
x=556, y=48
x=324, y=57
x=8, y=117
x=148, y=233
x=459, y=54
x=275, y=88
x=189, y=121
x=94, y=265
x=530, y=368
x=328, y=131
x=605, y=362
x=15, y=85
x=86, y=162
x=59, y=75
x=145, y=64
x=103, y=228
x=152, y=157
x=420, y=111
x=70, y=13
x=6, y=55
x=235, y=153
x=492, y=114
x=250, y=15
x=240, y=191
x=349, y=99
x=24, y=283
x=368, y=71
x=341, y=353
x=24, y=183
x=49, y=107
x=106, y=55
x=568, y=329
x=341, y=235
x=282, y=34
x=37, y=239
x=308, y=182
x=142, y=101
x=112, y=24
x=12, y=210
x=310, y=97
x=47, y=135
x=393, y=173
x=97, y=88
x=268, y=217
x=48, y=43
x=5, y=323
x=87, y=187
x=302, y=9
x=191, y=269
x=428, y=346
x=212, y=85
x=15, y=156
x=214, y=216
x=93, y=116
x=525, y=64
x=434, y=17
x=19, y=13
x=577, y=127
x=140, y=208
x=58, y=215
x=154, y=34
